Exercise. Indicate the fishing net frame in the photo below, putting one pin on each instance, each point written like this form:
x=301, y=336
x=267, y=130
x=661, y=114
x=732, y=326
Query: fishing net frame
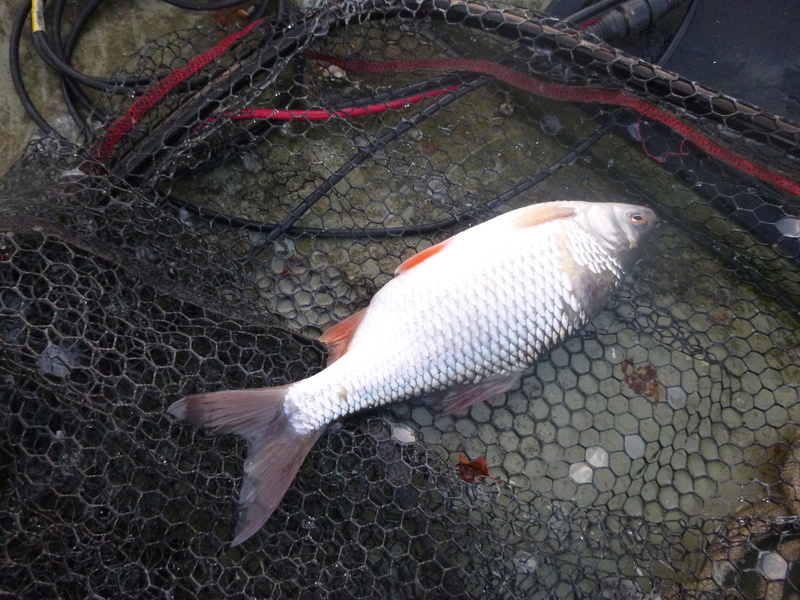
x=119, y=296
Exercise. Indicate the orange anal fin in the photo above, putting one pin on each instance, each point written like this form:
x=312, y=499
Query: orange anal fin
x=462, y=397
x=422, y=256
x=338, y=337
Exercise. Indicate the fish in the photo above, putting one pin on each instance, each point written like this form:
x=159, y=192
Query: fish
x=458, y=323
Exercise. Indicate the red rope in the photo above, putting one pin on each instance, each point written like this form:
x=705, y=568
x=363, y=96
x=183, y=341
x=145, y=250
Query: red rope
x=322, y=115
x=144, y=103
x=563, y=92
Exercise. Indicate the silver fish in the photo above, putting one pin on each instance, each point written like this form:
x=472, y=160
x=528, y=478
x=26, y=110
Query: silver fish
x=460, y=321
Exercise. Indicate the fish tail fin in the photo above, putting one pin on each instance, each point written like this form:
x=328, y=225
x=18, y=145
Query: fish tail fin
x=275, y=450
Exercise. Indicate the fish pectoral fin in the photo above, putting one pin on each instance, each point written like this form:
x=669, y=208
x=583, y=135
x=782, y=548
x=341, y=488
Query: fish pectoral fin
x=461, y=397
x=338, y=337
x=275, y=450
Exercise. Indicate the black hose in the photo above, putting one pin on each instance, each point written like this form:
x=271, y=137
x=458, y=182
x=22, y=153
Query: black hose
x=630, y=18
x=221, y=4
x=591, y=11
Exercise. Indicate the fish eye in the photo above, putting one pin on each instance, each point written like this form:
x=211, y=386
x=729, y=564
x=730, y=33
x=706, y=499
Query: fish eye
x=638, y=219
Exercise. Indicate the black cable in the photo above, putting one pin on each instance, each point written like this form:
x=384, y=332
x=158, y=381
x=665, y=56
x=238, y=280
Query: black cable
x=263, y=10
x=680, y=33
x=57, y=60
x=103, y=84
x=70, y=90
x=375, y=232
x=56, y=54
x=391, y=135
x=86, y=13
x=14, y=42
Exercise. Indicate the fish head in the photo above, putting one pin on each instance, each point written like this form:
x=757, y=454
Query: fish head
x=622, y=226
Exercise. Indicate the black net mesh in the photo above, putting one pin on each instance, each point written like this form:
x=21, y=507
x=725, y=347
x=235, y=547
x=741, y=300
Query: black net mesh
x=183, y=249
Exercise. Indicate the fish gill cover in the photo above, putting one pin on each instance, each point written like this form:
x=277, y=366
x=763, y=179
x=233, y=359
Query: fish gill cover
x=261, y=183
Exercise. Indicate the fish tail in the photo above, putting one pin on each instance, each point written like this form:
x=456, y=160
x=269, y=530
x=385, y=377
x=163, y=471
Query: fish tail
x=275, y=450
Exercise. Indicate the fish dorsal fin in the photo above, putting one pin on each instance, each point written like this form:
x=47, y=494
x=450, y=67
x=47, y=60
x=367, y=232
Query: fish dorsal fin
x=338, y=337
x=528, y=216
x=422, y=256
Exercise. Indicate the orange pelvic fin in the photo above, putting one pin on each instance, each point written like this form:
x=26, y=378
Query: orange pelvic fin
x=338, y=337
x=275, y=450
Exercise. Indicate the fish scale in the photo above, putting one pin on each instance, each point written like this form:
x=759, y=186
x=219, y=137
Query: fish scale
x=460, y=321
x=495, y=345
